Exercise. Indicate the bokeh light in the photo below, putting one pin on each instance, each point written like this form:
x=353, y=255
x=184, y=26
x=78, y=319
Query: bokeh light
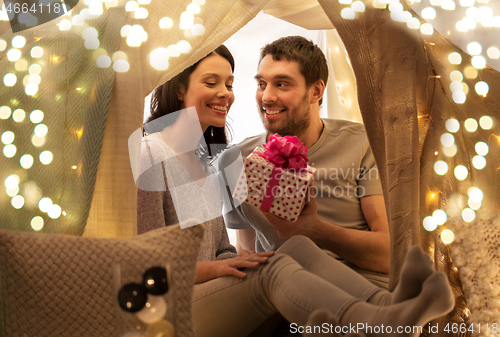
x=8, y=137
x=26, y=161
x=430, y=223
x=479, y=162
x=486, y=122
x=461, y=172
x=440, y=167
x=46, y=157
x=470, y=125
x=447, y=236
x=37, y=223
x=468, y=215
x=452, y=125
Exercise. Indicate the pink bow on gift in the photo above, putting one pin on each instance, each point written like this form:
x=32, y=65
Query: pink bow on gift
x=287, y=152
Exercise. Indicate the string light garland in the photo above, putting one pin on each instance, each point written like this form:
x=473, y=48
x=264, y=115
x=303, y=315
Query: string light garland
x=32, y=62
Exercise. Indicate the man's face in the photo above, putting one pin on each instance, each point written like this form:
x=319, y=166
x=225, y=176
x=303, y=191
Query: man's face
x=282, y=97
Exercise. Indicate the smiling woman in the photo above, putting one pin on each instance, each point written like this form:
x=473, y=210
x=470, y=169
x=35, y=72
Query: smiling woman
x=212, y=100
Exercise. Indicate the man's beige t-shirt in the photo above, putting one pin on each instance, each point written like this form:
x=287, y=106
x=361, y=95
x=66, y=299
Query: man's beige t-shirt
x=346, y=171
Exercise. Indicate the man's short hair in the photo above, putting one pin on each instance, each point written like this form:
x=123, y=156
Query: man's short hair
x=311, y=60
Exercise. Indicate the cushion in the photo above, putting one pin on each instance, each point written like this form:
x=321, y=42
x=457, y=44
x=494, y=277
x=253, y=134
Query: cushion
x=63, y=285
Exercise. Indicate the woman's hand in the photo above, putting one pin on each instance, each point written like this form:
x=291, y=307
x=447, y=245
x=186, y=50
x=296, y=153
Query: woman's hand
x=209, y=270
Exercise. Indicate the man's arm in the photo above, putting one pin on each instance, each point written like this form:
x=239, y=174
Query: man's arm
x=245, y=240
x=366, y=249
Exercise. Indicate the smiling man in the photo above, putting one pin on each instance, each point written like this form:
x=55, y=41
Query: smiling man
x=345, y=213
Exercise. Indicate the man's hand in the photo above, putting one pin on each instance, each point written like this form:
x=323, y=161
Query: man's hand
x=306, y=222
x=209, y=270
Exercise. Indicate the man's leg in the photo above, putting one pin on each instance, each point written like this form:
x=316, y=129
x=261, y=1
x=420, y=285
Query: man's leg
x=418, y=266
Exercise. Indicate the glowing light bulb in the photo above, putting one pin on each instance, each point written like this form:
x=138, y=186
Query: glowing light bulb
x=159, y=59
x=459, y=97
x=358, y=6
x=348, y=13
x=447, y=236
x=121, y=66
x=17, y=202
x=8, y=137
x=474, y=205
x=452, y=125
x=5, y=112
x=447, y=139
x=193, y=8
x=35, y=69
x=37, y=141
x=18, y=41
x=9, y=79
x=478, y=62
x=479, y=162
x=9, y=150
x=26, y=161
x=41, y=130
x=486, y=122
x=474, y=48
x=18, y=115
x=125, y=30
x=430, y=223
x=37, y=223
x=166, y=22
x=439, y=216
x=131, y=6
x=103, y=61
x=44, y=204
x=198, y=29
x=440, y=167
x=482, y=88
x=456, y=76
x=21, y=65
x=413, y=23
x=461, y=172
x=31, y=89
x=64, y=24
x=427, y=29
x=468, y=215
x=12, y=181
x=184, y=46
x=46, y=157
x=493, y=53
x=470, y=125
x=475, y=194
x=455, y=58
x=14, y=55
x=141, y=13
x=77, y=20
x=428, y=13
x=471, y=73
x=481, y=148
x=450, y=151
x=12, y=192
x=36, y=116
x=54, y=211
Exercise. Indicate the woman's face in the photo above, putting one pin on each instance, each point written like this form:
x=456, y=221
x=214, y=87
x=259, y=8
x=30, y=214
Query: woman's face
x=210, y=91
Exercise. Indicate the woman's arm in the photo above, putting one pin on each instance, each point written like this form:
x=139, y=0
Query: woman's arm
x=209, y=270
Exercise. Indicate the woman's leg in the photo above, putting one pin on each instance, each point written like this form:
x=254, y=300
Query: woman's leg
x=234, y=307
x=417, y=267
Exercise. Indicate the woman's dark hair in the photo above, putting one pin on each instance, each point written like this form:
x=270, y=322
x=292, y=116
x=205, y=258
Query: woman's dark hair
x=165, y=100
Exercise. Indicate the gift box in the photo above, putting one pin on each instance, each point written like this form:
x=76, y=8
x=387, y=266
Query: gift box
x=276, y=178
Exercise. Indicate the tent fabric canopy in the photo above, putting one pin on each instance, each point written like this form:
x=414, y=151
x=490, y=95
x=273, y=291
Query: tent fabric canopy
x=403, y=85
